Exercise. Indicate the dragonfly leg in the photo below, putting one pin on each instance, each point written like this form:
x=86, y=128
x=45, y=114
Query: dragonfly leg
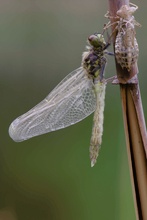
x=102, y=70
x=109, y=53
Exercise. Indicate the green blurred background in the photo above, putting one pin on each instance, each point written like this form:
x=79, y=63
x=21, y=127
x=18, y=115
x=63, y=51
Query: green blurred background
x=49, y=177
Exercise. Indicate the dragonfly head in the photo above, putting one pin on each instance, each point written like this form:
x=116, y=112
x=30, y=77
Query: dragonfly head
x=97, y=40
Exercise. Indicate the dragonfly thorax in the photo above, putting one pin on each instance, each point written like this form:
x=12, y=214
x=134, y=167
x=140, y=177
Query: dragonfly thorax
x=92, y=62
x=94, y=58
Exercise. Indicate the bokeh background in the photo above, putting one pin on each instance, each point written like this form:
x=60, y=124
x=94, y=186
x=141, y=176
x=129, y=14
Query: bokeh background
x=49, y=177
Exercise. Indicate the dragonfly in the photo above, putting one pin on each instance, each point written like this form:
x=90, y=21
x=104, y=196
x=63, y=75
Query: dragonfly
x=78, y=95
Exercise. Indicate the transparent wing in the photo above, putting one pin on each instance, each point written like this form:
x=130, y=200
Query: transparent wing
x=71, y=100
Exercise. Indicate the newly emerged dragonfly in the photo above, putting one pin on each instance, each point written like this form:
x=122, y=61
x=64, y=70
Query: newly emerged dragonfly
x=78, y=95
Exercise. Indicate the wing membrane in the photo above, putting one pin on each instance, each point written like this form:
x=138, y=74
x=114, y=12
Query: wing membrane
x=71, y=101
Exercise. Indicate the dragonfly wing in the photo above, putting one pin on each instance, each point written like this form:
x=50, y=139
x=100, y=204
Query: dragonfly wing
x=71, y=101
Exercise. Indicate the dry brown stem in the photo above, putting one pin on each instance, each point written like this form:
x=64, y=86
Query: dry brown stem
x=134, y=124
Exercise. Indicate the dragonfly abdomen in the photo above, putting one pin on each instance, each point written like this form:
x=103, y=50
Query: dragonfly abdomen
x=97, y=130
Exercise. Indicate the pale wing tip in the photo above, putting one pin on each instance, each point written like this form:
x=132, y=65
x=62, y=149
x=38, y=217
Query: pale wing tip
x=13, y=132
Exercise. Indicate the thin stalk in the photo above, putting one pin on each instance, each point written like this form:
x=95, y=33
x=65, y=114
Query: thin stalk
x=134, y=125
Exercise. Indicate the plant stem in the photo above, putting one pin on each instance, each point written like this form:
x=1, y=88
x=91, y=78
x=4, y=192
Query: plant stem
x=134, y=125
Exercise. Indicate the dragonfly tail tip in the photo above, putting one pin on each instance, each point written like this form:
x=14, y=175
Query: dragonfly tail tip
x=93, y=162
